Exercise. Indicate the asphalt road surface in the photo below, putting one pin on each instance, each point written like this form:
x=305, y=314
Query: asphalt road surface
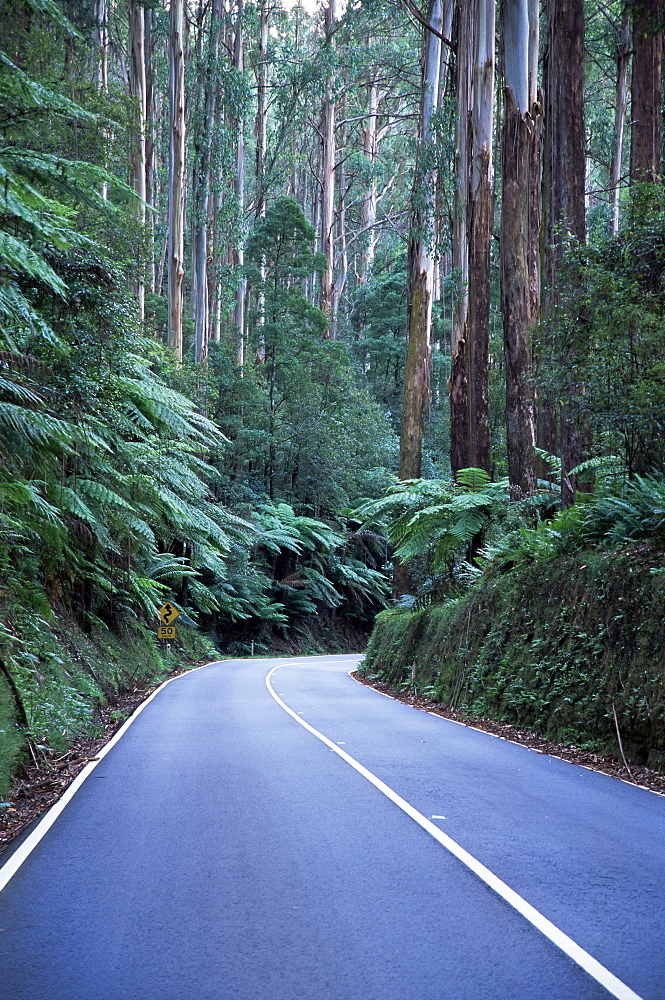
x=298, y=836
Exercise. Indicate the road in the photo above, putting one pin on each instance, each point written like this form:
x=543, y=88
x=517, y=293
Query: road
x=271, y=837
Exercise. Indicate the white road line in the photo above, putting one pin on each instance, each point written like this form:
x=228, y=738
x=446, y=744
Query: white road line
x=437, y=817
x=9, y=869
x=566, y=944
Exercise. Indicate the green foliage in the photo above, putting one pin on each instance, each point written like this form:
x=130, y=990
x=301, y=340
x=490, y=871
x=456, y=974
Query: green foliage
x=608, y=518
x=611, y=328
x=62, y=674
x=552, y=647
x=436, y=518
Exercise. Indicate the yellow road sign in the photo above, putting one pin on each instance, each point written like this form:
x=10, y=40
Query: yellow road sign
x=168, y=613
x=166, y=631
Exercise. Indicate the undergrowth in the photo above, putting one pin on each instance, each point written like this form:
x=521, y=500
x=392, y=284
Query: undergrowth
x=54, y=675
x=569, y=647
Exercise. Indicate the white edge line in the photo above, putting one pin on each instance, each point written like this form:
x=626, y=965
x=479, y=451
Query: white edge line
x=566, y=944
x=12, y=865
x=506, y=739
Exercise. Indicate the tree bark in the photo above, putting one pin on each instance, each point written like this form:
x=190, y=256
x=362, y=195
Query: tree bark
x=328, y=171
x=621, y=102
x=341, y=257
x=369, y=198
x=458, y=383
x=202, y=188
x=420, y=274
x=262, y=112
x=150, y=143
x=137, y=91
x=564, y=180
x=645, y=91
x=480, y=221
x=102, y=64
x=176, y=253
x=239, y=312
x=520, y=224
x=421, y=261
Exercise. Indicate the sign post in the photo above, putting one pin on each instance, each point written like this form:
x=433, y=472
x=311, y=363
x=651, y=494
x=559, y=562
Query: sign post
x=167, y=614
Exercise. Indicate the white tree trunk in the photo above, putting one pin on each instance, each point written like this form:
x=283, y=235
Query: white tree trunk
x=623, y=58
x=239, y=313
x=369, y=198
x=176, y=253
x=137, y=90
x=328, y=172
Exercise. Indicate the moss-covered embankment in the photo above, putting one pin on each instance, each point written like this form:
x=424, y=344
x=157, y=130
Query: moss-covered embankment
x=53, y=676
x=558, y=647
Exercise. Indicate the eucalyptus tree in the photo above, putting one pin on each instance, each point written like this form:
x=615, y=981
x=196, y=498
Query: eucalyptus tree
x=564, y=214
x=646, y=91
x=623, y=52
x=421, y=257
x=177, y=178
x=520, y=224
x=469, y=383
x=328, y=150
x=138, y=158
x=205, y=118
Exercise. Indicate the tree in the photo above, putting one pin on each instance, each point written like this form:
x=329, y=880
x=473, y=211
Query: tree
x=202, y=182
x=645, y=91
x=138, y=92
x=623, y=51
x=176, y=227
x=564, y=171
x=520, y=223
x=470, y=437
x=328, y=163
x=421, y=258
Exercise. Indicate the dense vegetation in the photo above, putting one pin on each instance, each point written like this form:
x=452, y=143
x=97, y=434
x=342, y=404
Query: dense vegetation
x=211, y=339
x=557, y=628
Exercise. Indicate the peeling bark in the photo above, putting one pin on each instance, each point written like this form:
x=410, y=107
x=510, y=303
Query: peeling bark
x=458, y=384
x=520, y=219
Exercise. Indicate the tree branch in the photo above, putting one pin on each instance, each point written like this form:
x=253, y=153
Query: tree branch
x=411, y=7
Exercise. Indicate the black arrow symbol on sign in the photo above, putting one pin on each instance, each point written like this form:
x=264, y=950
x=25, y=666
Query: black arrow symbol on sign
x=168, y=613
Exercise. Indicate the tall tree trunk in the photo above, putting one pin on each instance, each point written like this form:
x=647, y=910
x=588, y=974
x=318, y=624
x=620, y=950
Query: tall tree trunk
x=458, y=383
x=369, y=197
x=420, y=273
x=645, y=91
x=262, y=112
x=623, y=58
x=342, y=257
x=202, y=188
x=262, y=148
x=176, y=237
x=102, y=62
x=150, y=142
x=564, y=181
x=328, y=169
x=480, y=214
x=239, y=312
x=421, y=261
x=137, y=90
x=520, y=223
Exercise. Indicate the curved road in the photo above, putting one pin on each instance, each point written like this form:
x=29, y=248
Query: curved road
x=222, y=849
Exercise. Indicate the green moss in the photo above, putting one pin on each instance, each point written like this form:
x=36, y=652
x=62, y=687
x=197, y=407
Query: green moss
x=61, y=674
x=556, y=647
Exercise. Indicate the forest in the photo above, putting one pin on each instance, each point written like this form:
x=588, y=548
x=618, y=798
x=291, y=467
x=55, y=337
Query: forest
x=311, y=311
